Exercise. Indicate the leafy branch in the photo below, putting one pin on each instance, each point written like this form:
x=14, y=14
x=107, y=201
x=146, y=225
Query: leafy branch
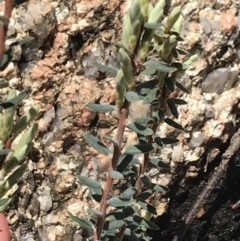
x=149, y=47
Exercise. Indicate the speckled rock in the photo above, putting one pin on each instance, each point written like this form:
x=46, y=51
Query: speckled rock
x=57, y=67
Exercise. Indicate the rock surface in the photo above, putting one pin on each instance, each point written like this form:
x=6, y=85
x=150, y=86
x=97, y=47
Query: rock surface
x=56, y=66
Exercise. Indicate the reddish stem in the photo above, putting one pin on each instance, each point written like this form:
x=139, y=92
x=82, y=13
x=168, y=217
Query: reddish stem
x=116, y=154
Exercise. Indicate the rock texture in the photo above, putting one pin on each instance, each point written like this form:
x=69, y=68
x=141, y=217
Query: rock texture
x=56, y=67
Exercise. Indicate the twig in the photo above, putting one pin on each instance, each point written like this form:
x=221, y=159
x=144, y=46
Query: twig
x=116, y=154
x=3, y=28
x=216, y=176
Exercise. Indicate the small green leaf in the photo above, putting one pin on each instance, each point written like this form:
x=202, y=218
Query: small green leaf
x=8, y=115
x=139, y=149
x=170, y=82
x=144, y=222
x=7, y=58
x=158, y=115
x=97, y=144
x=24, y=121
x=131, y=236
x=169, y=140
x=159, y=188
x=156, y=162
x=110, y=234
x=191, y=59
x=96, y=212
x=4, y=151
x=128, y=193
x=105, y=68
x=157, y=139
x=13, y=178
x=118, y=202
x=179, y=101
x=180, y=65
x=130, y=218
x=107, y=137
x=159, y=33
x=89, y=182
x=4, y=204
x=175, y=54
x=116, y=175
x=151, y=96
x=22, y=41
x=175, y=34
x=16, y=157
x=131, y=96
x=96, y=194
x=18, y=2
x=173, y=124
x=28, y=136
x=160, y=66
x=125, y=30
x=146, y=237
x=3, y=84
x=9, y=165
x=104, y=234
x=12, y=102
x=140, y=129
x=115, y=224
x=100, y=107
x=133, y=227
x=148, y=71
x=147, y=85
x=144, y=121
x=124, y=212
x=153, y=26
x=172, y=107
x=135, y=161
x=146, y=181
x=83, y=222
x=147, y=206
x=142, y=139
x=129, y=172
x=119, y=45
x=145, y=195
x=123, y=162
x=181, y=87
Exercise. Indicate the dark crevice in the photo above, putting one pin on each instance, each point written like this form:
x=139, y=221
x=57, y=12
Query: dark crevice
x=219, y=201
